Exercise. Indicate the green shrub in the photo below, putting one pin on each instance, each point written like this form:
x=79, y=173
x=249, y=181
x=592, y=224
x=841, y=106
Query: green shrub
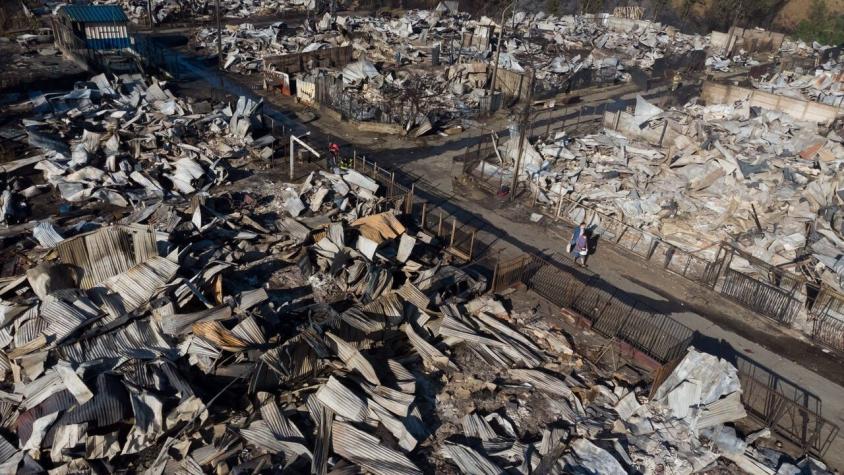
x=821, y=26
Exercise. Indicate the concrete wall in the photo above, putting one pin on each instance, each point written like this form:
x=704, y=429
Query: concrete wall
x=750, y=40
x=800, y=109
x=303, y=62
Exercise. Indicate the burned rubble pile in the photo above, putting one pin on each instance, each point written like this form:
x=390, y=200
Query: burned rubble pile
x=299, y=328
x=719, y=169
x=719, y=60
x=399, y=53
x=376, y=39
x=392, y=78
x=603, y=42
x=824, y=84
x=162, y=11
x=126, y=142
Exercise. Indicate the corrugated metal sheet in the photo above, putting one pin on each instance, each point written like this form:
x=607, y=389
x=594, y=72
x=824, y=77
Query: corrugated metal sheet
x=95, y=13
x=342, y=400
x=542, y=381
x=250, y=298
x=395, y=426
x=178, y=324
x=218, y=335
x=62, y=318
x=323, y=441
x=259, y=434
x=367, y=451
x=183, y=389
x=293, y=360
x=249, y=331
x=469, y=460
x=46, y=235
x=475, y=426
x=394, y=401
x=6, y=450
x=109, y=405
x=353, y=359
x=136, y=285
x=412, y=294
x=28, y=326
x=60, y=401
x=452, y=325
x=140, y=339
x=39, y=390
x=429, y=353
x=283, y=429
x=278, y=422
x=107, y=252
x=403, y=378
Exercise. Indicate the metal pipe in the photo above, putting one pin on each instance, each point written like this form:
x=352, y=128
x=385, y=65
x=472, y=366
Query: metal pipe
x=498, y=53
x=220, y=46
x=525, y=116
x=293, y=141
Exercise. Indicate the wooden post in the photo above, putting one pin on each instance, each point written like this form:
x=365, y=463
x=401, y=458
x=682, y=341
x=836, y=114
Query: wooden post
x=472, y=245
x=291, y=157
x=392, y=183
x=440, y=225
x=495, y=273
x=559, y=207
x=424, y=216
x=354, y=159
x=453, y=230
x=410, y=199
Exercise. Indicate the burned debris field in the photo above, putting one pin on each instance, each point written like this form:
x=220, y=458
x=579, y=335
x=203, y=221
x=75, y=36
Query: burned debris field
x=256, y=245
x=302, y=328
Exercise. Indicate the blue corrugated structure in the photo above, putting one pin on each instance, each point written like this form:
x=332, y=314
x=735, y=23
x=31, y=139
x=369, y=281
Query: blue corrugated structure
x=95, y=13
x=92, y=27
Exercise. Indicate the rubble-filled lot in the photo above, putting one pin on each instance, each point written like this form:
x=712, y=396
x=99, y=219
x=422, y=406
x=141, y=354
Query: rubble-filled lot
x=163, y=319
x=569, y=43
x=30, y=60
x=163, y=11
x=443, y=60
x=720, y=169
x=823, y=84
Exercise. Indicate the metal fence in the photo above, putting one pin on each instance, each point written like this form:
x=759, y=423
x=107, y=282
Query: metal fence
x=612, y=312
x=458, y=237
x=789, y=418
x=764, y=299
x=784, y=407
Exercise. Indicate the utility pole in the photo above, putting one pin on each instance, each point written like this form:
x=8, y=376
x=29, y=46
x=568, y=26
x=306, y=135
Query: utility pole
x=498, y=50
x=523, y=135
x=149, y=13
x=219, y=38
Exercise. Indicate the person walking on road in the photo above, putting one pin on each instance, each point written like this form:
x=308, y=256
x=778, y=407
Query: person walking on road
x=333, y=156
x=579, y=245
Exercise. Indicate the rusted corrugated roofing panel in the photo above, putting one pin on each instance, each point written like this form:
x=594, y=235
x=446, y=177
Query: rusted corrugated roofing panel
x=367, y=451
